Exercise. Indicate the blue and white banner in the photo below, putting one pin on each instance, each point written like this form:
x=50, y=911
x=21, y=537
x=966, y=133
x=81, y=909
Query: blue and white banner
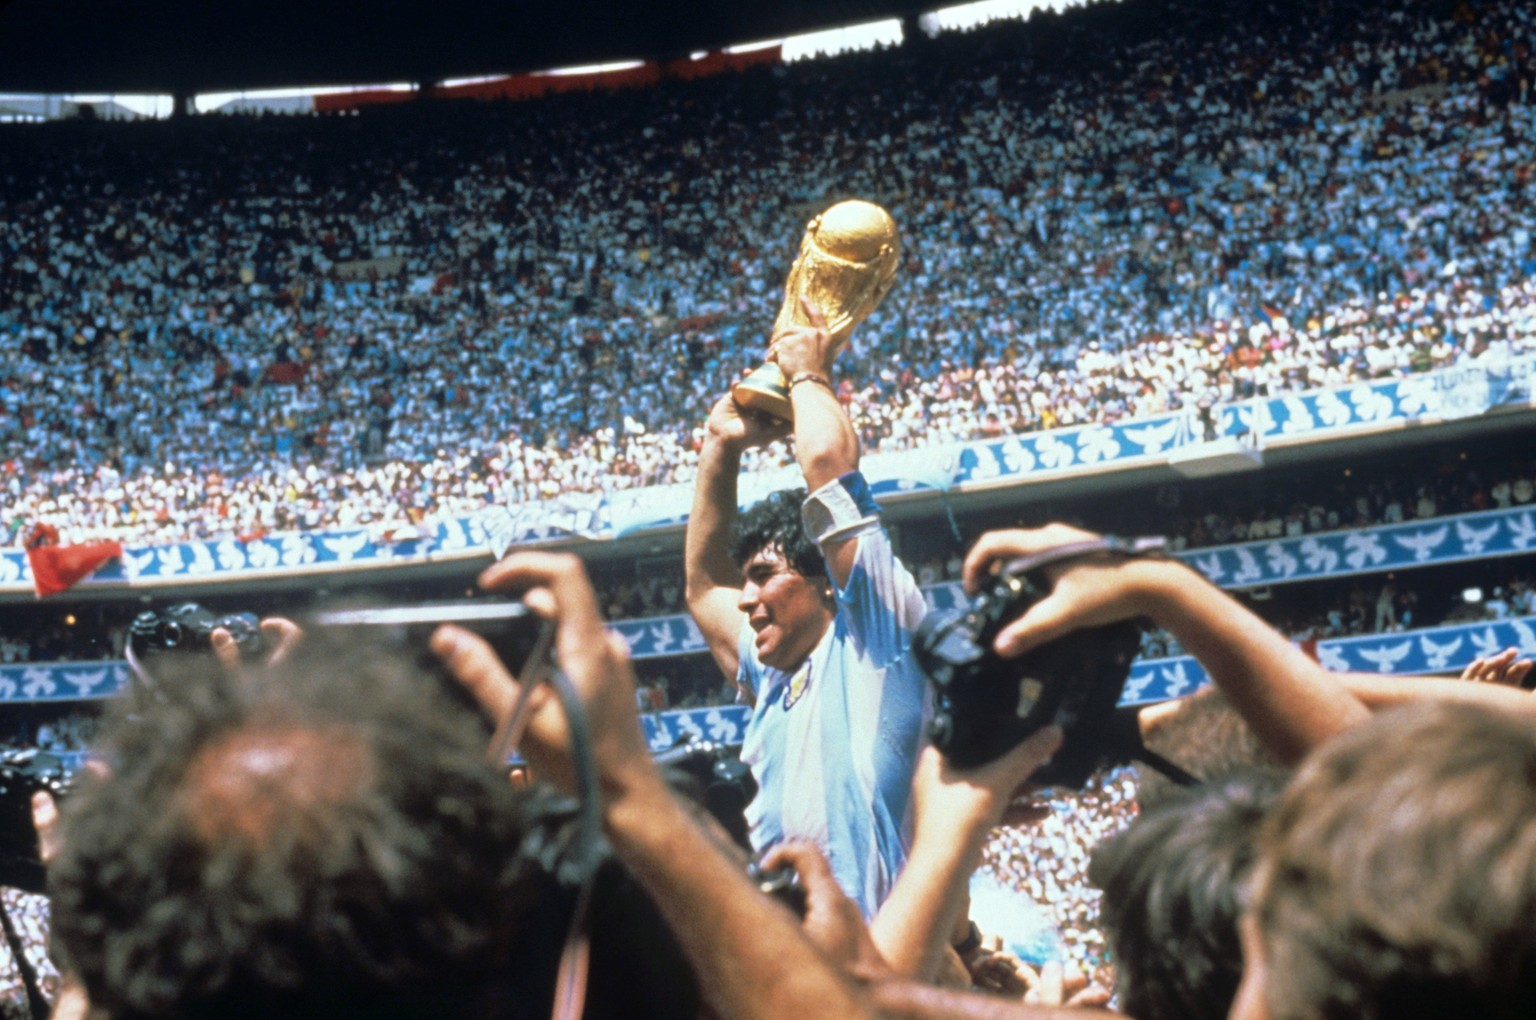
x=1063, y=450
x=725, y=724
x=1446, y=395
x=62, y=681
x=1309, y=417
x=1436, y=650
x=1433, y=650
x=1474, y=536
x=293, y=553
x=659, y=636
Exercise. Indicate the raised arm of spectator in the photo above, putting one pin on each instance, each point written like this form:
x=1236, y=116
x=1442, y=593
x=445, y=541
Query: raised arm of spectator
x=826, y=446
x=833, y=923
x=1492, y=681
x=712, y=581
x=751, y=958
x=953, y=811
x=1292, y=702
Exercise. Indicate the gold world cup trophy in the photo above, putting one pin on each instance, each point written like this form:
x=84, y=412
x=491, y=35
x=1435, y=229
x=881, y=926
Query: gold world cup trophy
x=846, y=266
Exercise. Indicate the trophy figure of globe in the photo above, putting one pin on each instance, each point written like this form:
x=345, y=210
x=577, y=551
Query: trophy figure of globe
x=846, y=266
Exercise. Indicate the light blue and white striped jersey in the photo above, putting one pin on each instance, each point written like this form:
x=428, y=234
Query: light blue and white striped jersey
x=833, y=746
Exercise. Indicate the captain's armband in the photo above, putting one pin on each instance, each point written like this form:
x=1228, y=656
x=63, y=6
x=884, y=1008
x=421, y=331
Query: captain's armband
x=840, y=509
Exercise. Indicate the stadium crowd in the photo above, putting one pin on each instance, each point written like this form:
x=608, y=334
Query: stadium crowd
x=231, y=326
x=29, y=914
x=1079, y=820
x=322, y=829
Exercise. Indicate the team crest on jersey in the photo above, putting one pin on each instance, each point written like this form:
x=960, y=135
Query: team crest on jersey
x=798, y=685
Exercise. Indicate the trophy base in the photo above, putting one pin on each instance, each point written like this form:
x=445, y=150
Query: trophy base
x=766, y=392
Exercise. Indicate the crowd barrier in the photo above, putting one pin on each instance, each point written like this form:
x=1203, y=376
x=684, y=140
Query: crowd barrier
x=1317, y=416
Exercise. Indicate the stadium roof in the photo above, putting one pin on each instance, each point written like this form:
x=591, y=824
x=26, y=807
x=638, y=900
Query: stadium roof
x=194, y=46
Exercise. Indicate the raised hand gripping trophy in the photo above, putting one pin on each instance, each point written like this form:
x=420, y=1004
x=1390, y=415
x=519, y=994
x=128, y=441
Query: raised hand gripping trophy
x=846, y=266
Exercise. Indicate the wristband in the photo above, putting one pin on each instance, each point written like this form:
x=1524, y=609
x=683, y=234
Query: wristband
x=842, y=508
x=800, y=377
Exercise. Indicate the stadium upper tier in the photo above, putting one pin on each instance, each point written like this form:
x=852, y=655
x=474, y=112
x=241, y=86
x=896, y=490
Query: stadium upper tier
x=230, y=326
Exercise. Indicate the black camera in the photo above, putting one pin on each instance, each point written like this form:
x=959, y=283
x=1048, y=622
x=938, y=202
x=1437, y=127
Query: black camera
x=23, y=773
x=188, y=627
x=985, y=705
x=521, y=639
x=713, y=776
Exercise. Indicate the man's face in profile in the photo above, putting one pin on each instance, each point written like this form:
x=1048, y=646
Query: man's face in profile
x=787, y=611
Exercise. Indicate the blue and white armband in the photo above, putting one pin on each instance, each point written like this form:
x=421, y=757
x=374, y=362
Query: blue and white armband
x=840, y=509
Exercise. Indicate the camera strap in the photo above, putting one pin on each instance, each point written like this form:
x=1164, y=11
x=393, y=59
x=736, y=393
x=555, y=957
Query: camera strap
x=1114, y=545
x=586, y=855
x=1167, y=768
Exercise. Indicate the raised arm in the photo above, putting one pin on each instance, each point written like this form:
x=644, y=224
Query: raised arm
x=1379, y=692
x=751, y=959
x=826, y=446
x=712, y=580
x=954, y=811
x=1292, y=703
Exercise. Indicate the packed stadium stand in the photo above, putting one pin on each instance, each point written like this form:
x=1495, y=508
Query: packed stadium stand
x=225, y=326
x=1260, y=278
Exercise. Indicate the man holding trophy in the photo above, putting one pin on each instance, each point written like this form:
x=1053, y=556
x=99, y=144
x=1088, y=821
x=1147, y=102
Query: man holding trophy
x=801, y=598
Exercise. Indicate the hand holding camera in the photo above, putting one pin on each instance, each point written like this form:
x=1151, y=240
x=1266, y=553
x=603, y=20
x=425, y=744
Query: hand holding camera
x=1088, y=580
x=189, y=629
x=555, y=586
x=1048, y=639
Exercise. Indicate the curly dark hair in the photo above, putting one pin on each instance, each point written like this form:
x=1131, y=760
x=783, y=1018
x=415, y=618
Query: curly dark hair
x=775, y=523
x=324, y=838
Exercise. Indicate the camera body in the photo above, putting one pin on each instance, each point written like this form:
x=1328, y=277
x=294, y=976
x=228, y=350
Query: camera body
x=713, y=776
x=22, y=774
x=985, y=705
x=188, y=627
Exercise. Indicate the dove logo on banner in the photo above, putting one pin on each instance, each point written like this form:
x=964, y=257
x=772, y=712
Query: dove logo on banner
x=73, y=681
x=1484, y=535
x=1433, y=650
x=659, y=636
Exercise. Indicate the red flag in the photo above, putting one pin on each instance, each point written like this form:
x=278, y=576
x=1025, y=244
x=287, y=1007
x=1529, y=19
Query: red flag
x=57, y=568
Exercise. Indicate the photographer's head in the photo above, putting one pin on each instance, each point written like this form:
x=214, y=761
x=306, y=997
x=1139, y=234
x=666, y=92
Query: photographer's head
x=318, y=838
x=786, y=593
x=1397, y=875
x=1173, y=885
